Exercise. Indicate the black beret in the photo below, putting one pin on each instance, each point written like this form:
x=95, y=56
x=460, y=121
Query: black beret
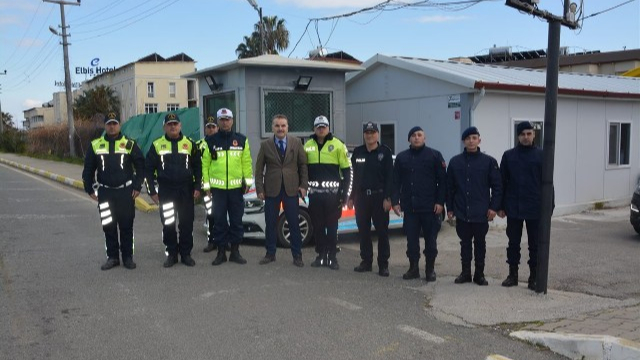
x=413, y=129
x=525, y=125
x=470, y=131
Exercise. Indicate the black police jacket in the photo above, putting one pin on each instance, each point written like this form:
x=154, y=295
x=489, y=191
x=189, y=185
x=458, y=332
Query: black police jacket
x=372, y=170
x=179, y=167
x=419, y=179
x=114, y=169
x=521, y=169
x=474, y=186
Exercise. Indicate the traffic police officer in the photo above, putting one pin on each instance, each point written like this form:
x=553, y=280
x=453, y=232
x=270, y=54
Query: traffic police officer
x=474, y=195
x=228, y=175
x=209, y=130
x=174, y=161
x=521, y=169
x=371, y=194
x=419, y=176
x=329, y=187
x=120, y=167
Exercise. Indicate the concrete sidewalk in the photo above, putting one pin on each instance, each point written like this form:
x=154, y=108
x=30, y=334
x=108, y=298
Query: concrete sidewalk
x=65, y=173
x=576, y=325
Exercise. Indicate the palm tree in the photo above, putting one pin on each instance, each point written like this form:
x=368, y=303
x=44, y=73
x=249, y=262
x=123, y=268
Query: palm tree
x=276, y=38
x=101, y=100
x=250, y=47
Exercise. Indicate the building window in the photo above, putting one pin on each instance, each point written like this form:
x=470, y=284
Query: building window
x=388, y=136
x=172, y=89
x=619, y=143
x=538, y=129
x=300, y=107
x=212, y=103
x=150, y=90
x=173, y=107
x=150, y=108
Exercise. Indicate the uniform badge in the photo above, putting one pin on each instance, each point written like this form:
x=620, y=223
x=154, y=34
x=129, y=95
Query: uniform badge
x=121, y=145
x=380, y=156
x=163, y=146
x=101, y=146
x=185, y=146
x=330, y=148
x=235, y=142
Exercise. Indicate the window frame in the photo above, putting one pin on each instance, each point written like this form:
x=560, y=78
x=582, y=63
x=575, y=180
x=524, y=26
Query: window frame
x=149, y=105
x=173, y=108
x=265, y=133
x=619, y=124
x=175, y=90
x=151, y=89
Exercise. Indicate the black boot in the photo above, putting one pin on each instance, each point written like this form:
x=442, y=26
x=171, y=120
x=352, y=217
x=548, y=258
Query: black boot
x=363, y=267
x=429, y=273
x=478, y=276
x=110, y=264
x=221, y=257
x=321, y=260
x=465, y=275
x=235, y=256
x=531, y=283
x=332, y=262
x=413, y=272
x=512, y=279
x=171, y=260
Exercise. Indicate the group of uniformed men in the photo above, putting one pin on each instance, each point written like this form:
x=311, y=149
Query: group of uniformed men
x=417, y=187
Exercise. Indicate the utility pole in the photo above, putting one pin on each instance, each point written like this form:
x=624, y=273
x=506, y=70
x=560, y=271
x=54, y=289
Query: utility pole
x=259, y=10
x=550, y=111
x=67, y=74
x=1, y=117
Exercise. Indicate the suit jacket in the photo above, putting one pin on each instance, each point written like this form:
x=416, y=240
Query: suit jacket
x=272, y=170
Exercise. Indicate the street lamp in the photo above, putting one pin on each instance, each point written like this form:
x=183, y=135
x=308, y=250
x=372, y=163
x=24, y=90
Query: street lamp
x=254, y=4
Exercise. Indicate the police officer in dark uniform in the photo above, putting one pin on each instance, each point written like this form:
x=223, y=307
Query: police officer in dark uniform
x=371, y=193
x=210, y=129
x=329, y=185
x=521, y=169
x=120, y=167
x=174, y=161
x=419, y=178
x=474, y=195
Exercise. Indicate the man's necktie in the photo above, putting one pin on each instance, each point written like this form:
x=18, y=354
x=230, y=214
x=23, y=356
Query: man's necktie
x=281, y=147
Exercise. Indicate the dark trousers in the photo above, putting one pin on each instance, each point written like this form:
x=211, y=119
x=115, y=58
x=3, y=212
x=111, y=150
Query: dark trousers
x=291, y=211
x=514, y=233
x=231, y=203
x=368, y=208
x=325, y=210
x=429, y=223
x=180, y=200
x=122, y=209
x=476, y=232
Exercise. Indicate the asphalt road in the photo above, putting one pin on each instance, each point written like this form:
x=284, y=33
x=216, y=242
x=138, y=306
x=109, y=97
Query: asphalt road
x=56, y=303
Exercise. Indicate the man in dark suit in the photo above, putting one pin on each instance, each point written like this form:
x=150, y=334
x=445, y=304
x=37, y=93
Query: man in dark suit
x=281, y=173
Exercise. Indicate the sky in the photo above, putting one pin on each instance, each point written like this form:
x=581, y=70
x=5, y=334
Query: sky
x=117, y=32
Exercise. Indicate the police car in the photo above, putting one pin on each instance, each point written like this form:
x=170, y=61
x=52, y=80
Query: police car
x=635, y=209
x=254, y=224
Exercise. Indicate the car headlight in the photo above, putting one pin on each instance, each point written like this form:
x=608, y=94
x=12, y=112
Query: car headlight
x=634, y=208
x=253, y=205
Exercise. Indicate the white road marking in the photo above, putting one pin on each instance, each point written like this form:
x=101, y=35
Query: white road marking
x=421, y=334
x=212, y=293
x=345, y=304
x=53, y=185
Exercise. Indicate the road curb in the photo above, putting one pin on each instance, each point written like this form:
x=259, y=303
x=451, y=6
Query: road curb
x=497, y=357
x=579, y=346
x=140, y=203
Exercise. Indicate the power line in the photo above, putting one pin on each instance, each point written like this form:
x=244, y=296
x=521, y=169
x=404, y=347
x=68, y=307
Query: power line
x=23, y=35
x=607, y=10
x=98, y=12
